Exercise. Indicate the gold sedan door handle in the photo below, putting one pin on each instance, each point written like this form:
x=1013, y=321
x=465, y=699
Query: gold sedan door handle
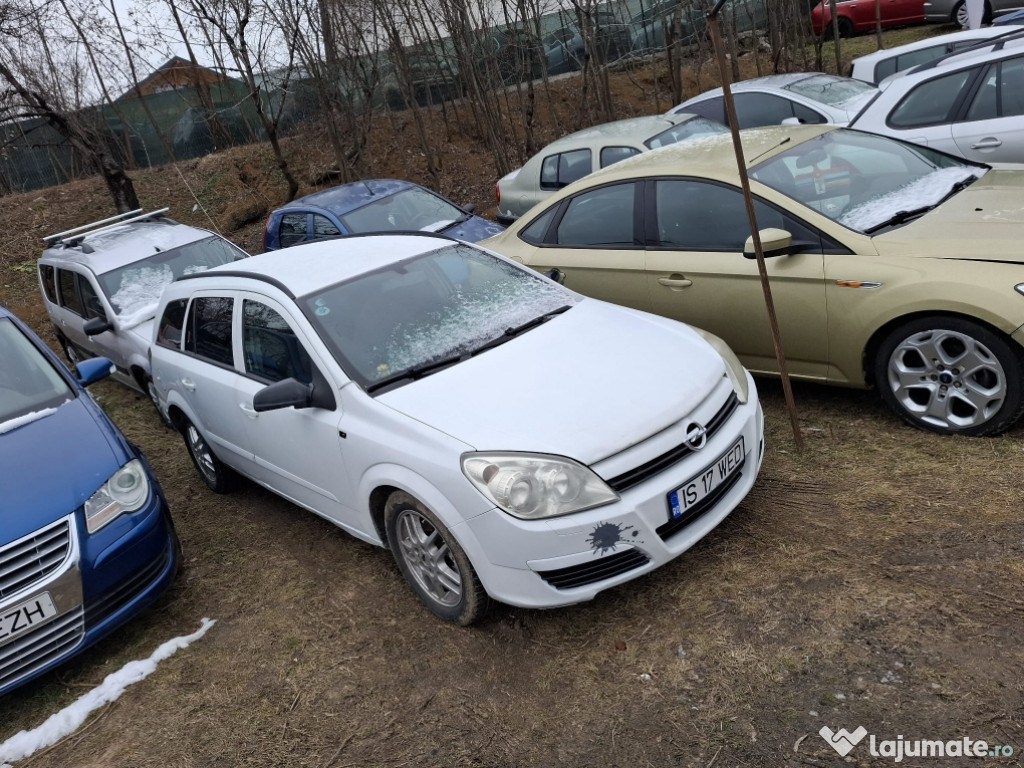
x=675, y=282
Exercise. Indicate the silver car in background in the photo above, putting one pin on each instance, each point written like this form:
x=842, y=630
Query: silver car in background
x=574, y=156
x=791, y=99
x=101, y=284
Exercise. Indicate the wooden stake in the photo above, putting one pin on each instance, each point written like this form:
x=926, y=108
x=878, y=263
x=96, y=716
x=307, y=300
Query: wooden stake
x=748, y=199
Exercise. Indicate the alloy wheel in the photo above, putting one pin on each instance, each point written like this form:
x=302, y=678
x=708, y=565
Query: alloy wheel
x=428, y=558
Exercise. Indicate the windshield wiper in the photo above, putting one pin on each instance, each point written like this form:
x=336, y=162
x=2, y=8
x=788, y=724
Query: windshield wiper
x=510, y=333
x=415, y=372
x=900, y=217
x=960, y=186
x=463, y=218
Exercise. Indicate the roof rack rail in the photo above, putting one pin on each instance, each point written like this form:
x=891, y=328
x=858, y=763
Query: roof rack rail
x=995, y=43
x=99, y=226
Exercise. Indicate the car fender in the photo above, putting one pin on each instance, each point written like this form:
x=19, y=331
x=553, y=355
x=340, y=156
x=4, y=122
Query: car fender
x=174, y=399
x=436, y=500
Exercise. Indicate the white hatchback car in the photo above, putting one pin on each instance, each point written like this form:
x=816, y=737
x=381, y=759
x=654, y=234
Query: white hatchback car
x=968, y=103
x=506, y=437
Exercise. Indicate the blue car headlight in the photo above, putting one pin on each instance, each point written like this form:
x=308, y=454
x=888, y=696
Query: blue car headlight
x=126, y=491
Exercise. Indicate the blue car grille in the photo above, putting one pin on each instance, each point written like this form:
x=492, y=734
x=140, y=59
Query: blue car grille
x=34, y=558
x=43, y=645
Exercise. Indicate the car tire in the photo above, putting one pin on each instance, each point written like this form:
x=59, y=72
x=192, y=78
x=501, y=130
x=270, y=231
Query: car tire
x=845, y=27
x=951, y=376
x=432, y=562
x=218, y=477
x=959, y=15
x=150, y=389
x=70, y=352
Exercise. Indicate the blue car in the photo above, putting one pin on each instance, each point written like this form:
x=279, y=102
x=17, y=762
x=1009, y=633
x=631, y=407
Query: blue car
x=375, y=205
x=86, y=538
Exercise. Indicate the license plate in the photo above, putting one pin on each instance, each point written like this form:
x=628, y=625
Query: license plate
x=21, y=618
x=685, y=498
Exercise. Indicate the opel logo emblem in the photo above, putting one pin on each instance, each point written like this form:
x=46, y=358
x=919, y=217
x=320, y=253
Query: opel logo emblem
x=696, y=436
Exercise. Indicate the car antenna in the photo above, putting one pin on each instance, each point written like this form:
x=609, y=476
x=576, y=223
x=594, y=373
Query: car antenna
x=754, y=160
x=367, y=185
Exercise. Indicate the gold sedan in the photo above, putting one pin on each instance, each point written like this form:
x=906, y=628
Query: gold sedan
x=892, y=265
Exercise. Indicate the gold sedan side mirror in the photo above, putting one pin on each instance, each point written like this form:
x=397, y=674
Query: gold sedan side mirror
x=774, y=242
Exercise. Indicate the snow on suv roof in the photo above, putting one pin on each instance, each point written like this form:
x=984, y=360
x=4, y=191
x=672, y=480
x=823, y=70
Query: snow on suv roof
x=307, y=267
x=124, y=244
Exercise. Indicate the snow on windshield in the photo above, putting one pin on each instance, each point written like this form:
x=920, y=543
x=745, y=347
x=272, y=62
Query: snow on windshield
x=841, y=92
x=466, y=321
x=925, y=191
x=140, y=290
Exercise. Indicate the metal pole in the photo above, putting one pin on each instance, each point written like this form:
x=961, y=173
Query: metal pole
x=748, y=199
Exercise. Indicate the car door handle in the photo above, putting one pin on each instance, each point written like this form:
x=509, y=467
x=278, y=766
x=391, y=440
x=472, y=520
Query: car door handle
x=988, y=143
x=248, y=410
x=189, y=385
x=675, y=282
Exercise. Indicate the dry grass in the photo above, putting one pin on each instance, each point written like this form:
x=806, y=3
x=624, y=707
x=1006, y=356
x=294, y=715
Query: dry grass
x=877, y=553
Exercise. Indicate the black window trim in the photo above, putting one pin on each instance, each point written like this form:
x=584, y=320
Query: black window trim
x=202, y=358
x=651, y=232
x=558, y=183
x=956, y=111
x=563, y=206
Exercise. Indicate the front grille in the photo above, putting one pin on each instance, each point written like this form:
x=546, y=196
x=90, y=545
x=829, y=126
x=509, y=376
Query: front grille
x=594, y=570
x=33, y=558
x=639, y=474
x=34, y=650
x=676, y=524
x=126, y=591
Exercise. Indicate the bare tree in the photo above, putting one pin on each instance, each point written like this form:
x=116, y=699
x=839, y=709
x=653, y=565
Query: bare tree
x=246, y=28
x=37, y=85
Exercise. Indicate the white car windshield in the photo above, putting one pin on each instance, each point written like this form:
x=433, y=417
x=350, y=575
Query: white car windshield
x=134, y=290
x=689, y=129
x=866, y=182
x=840, y=92
x=29, y=384
x=410, y=210
x=424, y=313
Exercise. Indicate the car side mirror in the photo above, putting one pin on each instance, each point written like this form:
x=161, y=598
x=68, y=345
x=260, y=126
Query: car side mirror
x=92, y=370
x=469, y=208
x=774, y=242
x=555, y=274
x=97, y=325
x=287, y=393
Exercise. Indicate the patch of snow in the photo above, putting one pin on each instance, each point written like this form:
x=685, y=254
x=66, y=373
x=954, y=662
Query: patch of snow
x=139, y=294
x=70, y=719
x=28, y=418
x=927, y=190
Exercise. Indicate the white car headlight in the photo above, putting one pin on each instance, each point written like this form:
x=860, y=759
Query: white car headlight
x=733, y=367
x=532, y=486
x=125, y=491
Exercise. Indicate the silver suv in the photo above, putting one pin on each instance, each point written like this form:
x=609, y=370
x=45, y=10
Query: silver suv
x=101, y=283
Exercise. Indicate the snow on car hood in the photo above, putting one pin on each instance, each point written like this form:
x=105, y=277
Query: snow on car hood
x=983, y=222
x=586, y=384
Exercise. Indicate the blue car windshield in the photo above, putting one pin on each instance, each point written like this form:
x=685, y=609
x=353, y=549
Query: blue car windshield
x=29, y=383
x=412, y=209
x=449, y=302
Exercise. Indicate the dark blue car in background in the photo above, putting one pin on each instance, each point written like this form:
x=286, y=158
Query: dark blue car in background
x=86, y=538
x=375, y=205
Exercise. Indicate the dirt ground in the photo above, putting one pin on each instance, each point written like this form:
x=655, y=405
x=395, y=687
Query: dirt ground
x=871, y=579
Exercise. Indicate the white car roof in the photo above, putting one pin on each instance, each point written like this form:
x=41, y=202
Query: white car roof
x=124, y=244
x=766, y=83
x=302, y=269
x=637, y=128
x=953, y=37
x=994, y=50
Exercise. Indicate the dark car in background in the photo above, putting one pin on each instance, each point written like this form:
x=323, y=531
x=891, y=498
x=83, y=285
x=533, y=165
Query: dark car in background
x=374, y=205
x=86, y=537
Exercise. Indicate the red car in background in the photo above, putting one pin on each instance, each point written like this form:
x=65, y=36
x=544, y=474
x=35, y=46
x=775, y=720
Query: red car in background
x=859, y=15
